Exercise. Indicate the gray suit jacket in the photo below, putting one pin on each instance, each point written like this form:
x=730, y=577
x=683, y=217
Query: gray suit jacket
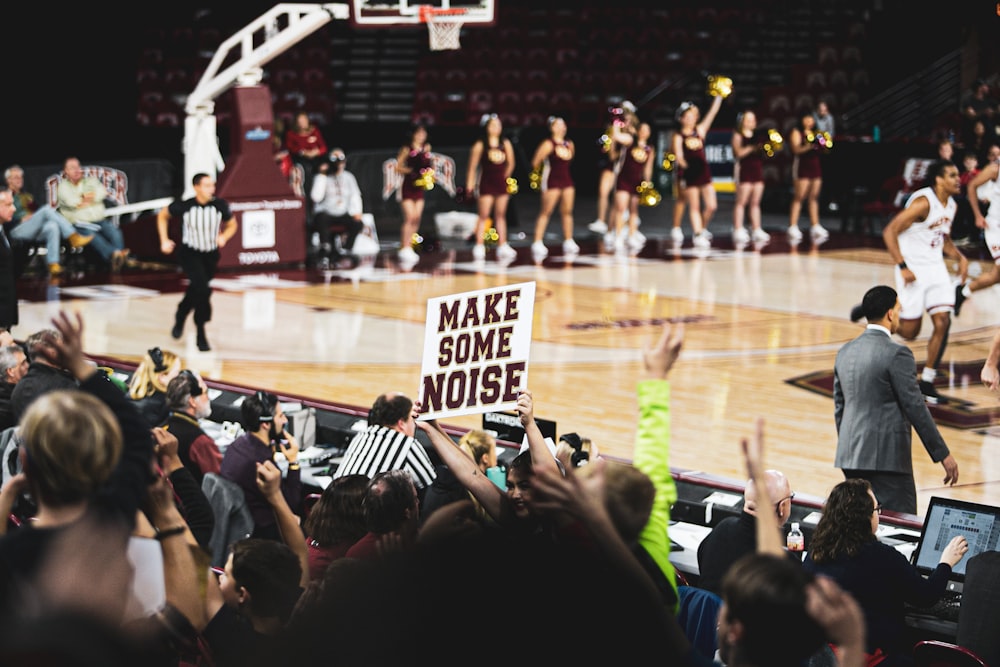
x=876, y=399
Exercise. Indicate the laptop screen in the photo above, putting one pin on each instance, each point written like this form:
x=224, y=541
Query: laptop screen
x=946, y=518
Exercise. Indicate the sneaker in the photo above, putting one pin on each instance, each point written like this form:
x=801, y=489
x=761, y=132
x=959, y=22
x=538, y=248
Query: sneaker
x=505, y=252
x=203, y=340
x=931, y=394
x=478, y=252
x=677, y=235
x=78, y=240
x=598, y=227
x=818, y=234
x=857, y=313
x=794, y=235
x=760, y=236
x=620, y=243
x=702, y=240
x=538, y=250
x=741, y=236
x=636, y=242
x=959, y=298
x=640, y=236
x=609, y=240
x=570, y=247
x=408, y=255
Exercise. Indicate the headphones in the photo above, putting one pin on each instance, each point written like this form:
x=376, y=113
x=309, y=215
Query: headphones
x=194, y=387
x=156, y=355
x=266, y=407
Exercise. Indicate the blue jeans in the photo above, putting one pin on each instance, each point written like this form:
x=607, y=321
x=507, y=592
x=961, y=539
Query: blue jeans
x=107, y=239
x=47, y=225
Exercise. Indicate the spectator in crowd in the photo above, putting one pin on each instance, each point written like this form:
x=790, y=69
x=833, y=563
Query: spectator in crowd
x=8, y=274
x=491, y=165
x=34, y=224
x=80, y=199
x=42, y=376
x=249, y=603
x=148, y=385
x=412, y=163
x=85, y=452
x=551, y=163
x=338, y=207
x=388, y=443
x=877, y=405
x=13, y=366
x=806, y=145
x=845, y=548
x=918, y=238
x=824, y=119
x=392, y=515
x=984, y=188
x=977, y=104
x=307, y=148
x=735, y=537
x=207, y=224
x=265, y=435
x=188, y=403
x=335, y=522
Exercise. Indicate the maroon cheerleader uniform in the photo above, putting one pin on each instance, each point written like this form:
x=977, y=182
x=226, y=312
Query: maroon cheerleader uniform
x=807, y=165
x=416, y=159
x=555, y=174
x=493, y=171
x=697, y=172
x=633, y=168
x=751, y=167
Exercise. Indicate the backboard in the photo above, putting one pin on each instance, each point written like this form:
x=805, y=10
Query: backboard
x=366, y=13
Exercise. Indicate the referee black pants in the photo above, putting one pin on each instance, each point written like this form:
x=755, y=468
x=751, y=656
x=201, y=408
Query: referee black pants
x=200, y=268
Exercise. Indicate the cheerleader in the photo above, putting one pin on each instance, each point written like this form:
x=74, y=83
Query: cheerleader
x=552, y=161
x=413, y=158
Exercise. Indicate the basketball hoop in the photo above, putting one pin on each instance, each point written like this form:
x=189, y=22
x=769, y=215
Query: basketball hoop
x=444, y=27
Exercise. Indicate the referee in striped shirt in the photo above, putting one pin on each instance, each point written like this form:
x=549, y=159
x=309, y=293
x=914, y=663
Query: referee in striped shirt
x=389, y=443
x=207, y=223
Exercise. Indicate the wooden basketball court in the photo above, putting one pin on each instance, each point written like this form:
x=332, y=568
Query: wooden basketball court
x=763, y=328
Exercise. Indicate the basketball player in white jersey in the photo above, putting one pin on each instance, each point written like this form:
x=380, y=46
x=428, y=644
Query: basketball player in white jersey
x=918, y=238
x=985, y=186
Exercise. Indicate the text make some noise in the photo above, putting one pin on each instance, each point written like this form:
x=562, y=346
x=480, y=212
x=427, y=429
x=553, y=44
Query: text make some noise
x=474, y=329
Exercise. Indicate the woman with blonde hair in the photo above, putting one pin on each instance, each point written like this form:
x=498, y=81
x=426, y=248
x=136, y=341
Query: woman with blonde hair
x=148, y=386
x=479, y=446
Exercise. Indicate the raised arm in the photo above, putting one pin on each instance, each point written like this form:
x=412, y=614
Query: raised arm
x=709, y=118
x=768, y=533
x=541, y=456
x=651, y=454
x=465, y=470
x=269, y=483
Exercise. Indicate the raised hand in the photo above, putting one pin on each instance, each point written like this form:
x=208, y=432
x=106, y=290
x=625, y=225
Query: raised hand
x=660, y=358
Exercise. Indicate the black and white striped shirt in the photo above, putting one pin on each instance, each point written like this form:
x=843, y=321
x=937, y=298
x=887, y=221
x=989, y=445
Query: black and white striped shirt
x=378, y=449
x=201, y=223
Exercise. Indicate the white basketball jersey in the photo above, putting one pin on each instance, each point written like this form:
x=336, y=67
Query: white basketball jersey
x=990, y=191
x=922, y=242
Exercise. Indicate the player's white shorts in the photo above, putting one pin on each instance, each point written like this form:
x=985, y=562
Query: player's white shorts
x=933, y=291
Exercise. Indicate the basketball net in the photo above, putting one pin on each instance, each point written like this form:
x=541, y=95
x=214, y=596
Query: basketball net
x=444, y=27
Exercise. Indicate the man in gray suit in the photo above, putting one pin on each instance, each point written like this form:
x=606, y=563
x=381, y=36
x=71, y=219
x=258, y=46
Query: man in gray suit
x=877, y=403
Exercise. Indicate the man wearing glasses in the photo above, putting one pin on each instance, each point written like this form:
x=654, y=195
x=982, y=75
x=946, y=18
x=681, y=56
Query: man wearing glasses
x=734, y=537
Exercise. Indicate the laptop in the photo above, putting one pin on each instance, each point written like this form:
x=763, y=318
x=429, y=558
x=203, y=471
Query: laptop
x=946, y=518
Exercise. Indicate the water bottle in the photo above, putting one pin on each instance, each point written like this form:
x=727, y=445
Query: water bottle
x=796, y=541
x=876, y=134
